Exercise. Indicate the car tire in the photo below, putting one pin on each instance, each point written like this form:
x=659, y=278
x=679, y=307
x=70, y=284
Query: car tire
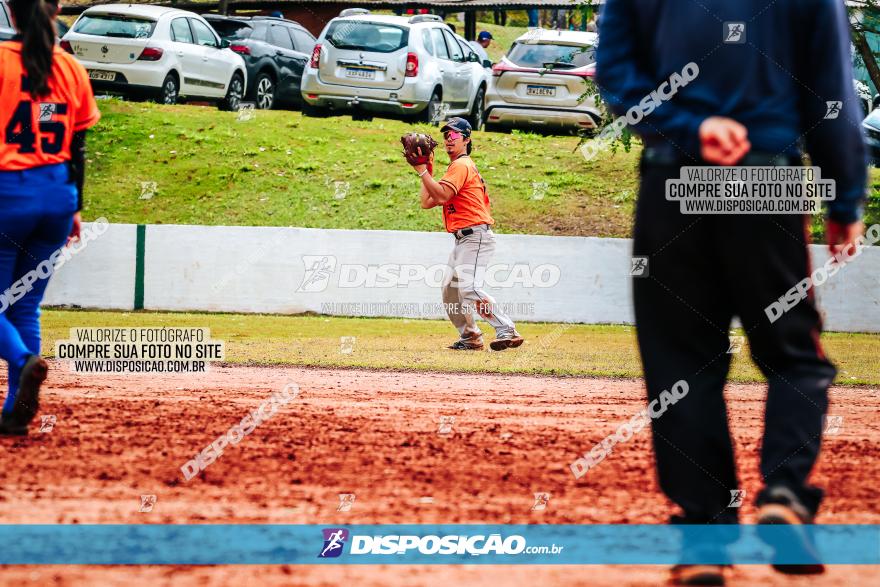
x=169, y=91
x=314, y=111
x=478, y=112
x=234, y=94
x=434, y=104
x=264, y=92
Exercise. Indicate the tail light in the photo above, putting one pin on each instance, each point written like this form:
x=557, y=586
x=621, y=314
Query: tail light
x=500, y=68
x=316, y=57
x=412, y=65
x=151, y=54
x=240, y=49
x=66, y=46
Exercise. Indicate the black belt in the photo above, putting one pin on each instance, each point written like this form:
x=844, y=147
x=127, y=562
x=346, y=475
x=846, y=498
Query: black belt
x=458, y=234
x=660, y=156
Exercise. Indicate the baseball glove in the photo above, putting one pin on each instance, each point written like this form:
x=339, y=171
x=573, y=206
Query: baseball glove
x=417, y=148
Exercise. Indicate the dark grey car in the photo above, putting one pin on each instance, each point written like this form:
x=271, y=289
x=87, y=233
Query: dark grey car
x=6, y=29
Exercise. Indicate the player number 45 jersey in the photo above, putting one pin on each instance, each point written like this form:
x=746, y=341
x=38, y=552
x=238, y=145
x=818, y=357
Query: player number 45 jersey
x=38, y=132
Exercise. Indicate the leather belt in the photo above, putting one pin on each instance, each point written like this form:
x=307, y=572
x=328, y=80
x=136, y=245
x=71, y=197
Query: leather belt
x=459, y=234
x=659, y=156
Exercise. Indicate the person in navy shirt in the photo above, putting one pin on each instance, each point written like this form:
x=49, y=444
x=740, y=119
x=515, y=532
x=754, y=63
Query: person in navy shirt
x=747, y=83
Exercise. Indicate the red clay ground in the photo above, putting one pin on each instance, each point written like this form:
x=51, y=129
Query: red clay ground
x=375, y=434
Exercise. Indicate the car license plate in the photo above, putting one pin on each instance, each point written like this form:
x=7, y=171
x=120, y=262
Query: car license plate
x=540, y=90
x=106, y=76
x=357, y=73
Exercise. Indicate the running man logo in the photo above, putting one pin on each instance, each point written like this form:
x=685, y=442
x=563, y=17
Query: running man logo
x=833, y=109
x=47, y=423
x=736, y=344
x=346, y=500
x=334, y=541
x=246, y=111
x=541, y=501
x=639, y=267
x=346, y=344
x=341, y=189
x=735, y=32
x=446, y=423
x=148, y=190
x=832, y=424
x=318, y=269
x=147, y=503
x=736, y=498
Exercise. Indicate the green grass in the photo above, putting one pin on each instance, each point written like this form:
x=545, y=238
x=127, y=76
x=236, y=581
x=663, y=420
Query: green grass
x=418, y=345
x=280, y=169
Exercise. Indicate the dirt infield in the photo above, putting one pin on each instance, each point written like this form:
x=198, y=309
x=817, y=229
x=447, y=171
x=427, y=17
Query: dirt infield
x=375, y=434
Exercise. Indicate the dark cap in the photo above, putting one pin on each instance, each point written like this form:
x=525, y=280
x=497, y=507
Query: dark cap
x=457, y=124
x=484, y=35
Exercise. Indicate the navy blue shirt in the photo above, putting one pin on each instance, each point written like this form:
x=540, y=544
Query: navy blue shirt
x=794, y=58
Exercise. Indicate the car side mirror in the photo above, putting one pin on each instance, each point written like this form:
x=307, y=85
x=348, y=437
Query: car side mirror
x=487, y=63
x=225, y=44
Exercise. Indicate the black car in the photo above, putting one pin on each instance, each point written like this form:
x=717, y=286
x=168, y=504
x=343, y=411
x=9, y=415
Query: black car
x=871, y=124
x=6, y=29
x=275, y=52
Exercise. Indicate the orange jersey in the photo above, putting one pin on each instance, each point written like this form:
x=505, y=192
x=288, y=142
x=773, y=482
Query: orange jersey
x=38, y=132
x=470, y=204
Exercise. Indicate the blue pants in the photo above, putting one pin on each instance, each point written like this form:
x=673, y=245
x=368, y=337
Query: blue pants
x=36, y=216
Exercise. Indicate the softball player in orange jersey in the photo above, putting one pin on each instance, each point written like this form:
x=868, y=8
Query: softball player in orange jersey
x=46, y=105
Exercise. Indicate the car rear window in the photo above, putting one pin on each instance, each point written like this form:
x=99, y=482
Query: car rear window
x=367, y=36
x=549, y=55
x=232, y=29
x=113, y=25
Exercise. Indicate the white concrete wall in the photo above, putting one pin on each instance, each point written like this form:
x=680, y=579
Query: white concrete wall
x=257, y=269
x=101, y=275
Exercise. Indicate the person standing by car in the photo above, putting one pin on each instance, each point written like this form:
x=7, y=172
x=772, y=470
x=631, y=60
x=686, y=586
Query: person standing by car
x=46, y=105
x=484, y=39
x=770, y=75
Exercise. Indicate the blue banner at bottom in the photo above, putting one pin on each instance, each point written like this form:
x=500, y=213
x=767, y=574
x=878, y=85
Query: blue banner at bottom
x=428, y=544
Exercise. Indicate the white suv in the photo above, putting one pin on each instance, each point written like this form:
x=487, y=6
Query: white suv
x=156, y=52
x=380, y=64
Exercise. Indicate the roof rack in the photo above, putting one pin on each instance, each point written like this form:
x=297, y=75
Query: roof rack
x=425, y=18
x=354, y=11
x=264, y=17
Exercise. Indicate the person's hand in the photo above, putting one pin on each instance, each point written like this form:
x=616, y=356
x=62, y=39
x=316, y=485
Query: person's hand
x=723, y=141
x=77, y=227
x=842, y=237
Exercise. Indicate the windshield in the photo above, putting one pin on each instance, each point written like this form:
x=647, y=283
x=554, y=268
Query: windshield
x=106, y=25
x=550, y=56
x=367, y=36
x=232, y=29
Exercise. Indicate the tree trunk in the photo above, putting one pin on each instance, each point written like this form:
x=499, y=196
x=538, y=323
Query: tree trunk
x=224, y=9
x=868, y=57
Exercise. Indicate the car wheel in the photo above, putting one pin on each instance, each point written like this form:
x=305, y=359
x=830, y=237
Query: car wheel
x=478, y=112
x=313, y=111
x=233, y=94
x=265, y=92
x=170, y=90
x=429, y=114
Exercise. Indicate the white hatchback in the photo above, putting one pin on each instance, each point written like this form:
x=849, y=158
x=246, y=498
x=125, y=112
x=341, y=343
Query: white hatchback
x=156, y=52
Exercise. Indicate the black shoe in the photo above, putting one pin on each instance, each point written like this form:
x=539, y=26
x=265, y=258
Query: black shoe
x=27, y=402
x=780, y=506
x=696, y=575
x=474, y=344
x=9, y=427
